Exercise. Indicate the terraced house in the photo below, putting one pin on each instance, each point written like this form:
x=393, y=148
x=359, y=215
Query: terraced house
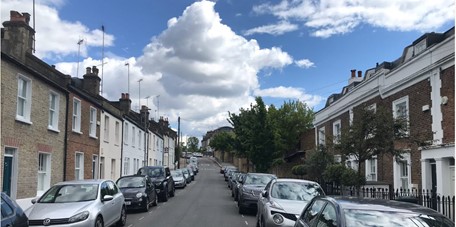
x=418, y=86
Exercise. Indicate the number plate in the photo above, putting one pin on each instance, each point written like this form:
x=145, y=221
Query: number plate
x=127, y=203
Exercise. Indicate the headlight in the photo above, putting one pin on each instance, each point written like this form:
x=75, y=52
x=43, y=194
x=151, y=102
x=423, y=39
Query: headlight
x=79, y=217
x=277, y=219
x=139, y=195
x=275, y=205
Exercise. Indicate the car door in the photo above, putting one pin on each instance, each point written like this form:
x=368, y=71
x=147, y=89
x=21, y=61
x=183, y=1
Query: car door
x=106, y=206
x=310, y=214
x=263, y=199
x=116, y=202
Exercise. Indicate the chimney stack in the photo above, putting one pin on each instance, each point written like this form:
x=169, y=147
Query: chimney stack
x=360, y=74
x=91, y=82
x=125, y=103
x=353, y=72
x=18, y=36
x=355, y=78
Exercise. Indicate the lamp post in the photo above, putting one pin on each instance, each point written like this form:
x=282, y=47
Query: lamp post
x=128, y=74
x=79, y=50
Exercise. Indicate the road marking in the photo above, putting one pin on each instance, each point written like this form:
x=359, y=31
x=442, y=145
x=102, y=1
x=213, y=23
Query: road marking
x=130, y=225
x=246, y=223
x=141, y=218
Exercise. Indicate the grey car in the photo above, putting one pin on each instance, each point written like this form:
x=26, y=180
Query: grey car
x=283, y=200
x=250, y=190
x=79, y=204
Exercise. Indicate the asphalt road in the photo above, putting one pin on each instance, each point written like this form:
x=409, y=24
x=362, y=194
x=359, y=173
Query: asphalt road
x=205, y=202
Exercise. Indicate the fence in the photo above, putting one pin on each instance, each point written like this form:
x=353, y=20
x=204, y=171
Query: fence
x=427, y=198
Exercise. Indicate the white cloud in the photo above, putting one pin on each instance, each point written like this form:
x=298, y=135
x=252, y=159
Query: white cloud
x=304, y=63
x=53, y=40
x=273, y=29
x=327, y=18
x=291, y=93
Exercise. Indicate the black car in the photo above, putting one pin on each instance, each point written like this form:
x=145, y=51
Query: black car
x=139, y=192
x=12, y=214
x=161, y=177
x=249, y=192
x=354, y=211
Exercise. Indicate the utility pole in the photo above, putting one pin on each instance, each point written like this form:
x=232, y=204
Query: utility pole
x=128, y=74
x=79, y=51
x=178, y=139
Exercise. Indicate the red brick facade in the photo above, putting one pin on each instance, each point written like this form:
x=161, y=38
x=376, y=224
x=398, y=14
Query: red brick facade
x=447, y=90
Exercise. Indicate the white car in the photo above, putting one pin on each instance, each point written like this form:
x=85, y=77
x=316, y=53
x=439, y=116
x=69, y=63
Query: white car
x=79, y=203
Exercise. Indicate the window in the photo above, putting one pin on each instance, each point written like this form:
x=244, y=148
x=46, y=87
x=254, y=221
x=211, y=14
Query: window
x=401, y=113
x=126, y=165
x=79, y=166
x=351, y=162
x=337, y=158
x=53, y=111
x=328, y=217
x=420, y=47
x=133, y=131
x=95, y=167
x=321, y=136
x=106, y=128
x=126, y=133
x=371, y=169
x=24, y=99
x=311, y=213
x=139, y=139
x=404, y=173
x=336, y=131
x=44, y=172
x=93, y=123
x=76, y=115
x=117, y=132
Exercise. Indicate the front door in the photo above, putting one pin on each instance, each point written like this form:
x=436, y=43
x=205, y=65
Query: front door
x=7, y=174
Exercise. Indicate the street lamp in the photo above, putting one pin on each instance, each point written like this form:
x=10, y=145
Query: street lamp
x=147, y=100
x=128, y=74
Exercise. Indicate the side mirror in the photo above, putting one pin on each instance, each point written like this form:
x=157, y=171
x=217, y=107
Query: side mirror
x=107, y=198
x=241, y=181
x=264, y=193
x=34, y=201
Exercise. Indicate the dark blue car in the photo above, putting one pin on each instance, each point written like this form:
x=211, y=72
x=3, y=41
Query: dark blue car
x=12, y=214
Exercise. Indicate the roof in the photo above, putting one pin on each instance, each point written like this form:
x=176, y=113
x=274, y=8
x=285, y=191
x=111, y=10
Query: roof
x=88, y=181
x=294, y=180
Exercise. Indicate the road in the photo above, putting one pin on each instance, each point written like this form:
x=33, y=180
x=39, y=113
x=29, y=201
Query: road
x=205, y=202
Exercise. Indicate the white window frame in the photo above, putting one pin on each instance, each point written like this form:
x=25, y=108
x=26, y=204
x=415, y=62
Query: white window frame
x=402, y=180
x=24, y=99
x=44, y=172
x=79, y=166
x=54, y=106
x=321, y=136
x=337, y=131
x=396, y=103
x=126, y=166
x=93, y=122
x=133, y=132
x=126, y=134
x=106, y=128
x=372, y=169
x=76, y=119
x=117, y=132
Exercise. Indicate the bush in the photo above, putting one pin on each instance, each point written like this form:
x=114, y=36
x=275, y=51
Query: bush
x=299, y=170
x=342, y=175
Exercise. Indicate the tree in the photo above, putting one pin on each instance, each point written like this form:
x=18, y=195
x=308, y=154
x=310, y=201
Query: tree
x=223, y=142
x=299, y=170
x=192, y=144
x=317, y=162
x=372, y=133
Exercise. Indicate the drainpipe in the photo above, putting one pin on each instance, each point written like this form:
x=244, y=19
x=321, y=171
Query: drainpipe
x=65, y=144
x=121, y=146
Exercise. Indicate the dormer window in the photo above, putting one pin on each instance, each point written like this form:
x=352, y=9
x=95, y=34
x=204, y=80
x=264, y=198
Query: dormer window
x=420, y=47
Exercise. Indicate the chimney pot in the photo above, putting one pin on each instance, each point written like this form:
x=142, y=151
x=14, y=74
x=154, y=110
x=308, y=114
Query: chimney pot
x=95, y=70
x=123, y=96
x=127, y=96
x=360, y=74
x=353, y=72
x=88, y=70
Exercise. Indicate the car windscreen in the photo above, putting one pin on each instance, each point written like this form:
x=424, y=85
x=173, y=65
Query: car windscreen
x=70, y=193
x=176, y=173
x=258, y=179
x=152, y=172
x=131, y=182
x=302, y=191
x=355, y=217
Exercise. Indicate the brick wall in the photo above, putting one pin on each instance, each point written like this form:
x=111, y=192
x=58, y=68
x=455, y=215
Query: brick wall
x=31, y=138
x=447, y=77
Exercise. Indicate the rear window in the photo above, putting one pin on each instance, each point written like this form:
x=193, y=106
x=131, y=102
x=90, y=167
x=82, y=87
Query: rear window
x=152, y=171
x=355, y=217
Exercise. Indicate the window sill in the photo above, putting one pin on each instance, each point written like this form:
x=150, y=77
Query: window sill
x=93, y=137
x=77, y=132
x=22, y=120
x=53, y=129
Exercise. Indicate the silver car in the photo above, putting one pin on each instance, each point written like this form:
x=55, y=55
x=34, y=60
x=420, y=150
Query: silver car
x=79, y=203
x=283, y=200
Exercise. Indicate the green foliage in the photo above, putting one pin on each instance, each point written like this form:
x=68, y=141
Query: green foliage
x=317, y=162
x=192, y=144
x=299, y=170
x=342, y=175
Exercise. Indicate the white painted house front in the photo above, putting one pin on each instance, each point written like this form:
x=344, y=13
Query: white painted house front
x=133, y=147
x=110, y=146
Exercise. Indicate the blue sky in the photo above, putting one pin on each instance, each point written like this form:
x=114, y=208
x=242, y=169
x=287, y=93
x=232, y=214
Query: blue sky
x=200, y=59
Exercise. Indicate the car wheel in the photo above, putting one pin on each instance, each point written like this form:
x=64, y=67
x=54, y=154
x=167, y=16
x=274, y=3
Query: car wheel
x=241, y=209
x=146, y=206
x=165, y=196
x=99, y=222
x=123, y=217
x=173, y=190
x=155, y=203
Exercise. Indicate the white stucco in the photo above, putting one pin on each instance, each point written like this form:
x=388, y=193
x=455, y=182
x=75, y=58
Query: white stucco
x=110, y=145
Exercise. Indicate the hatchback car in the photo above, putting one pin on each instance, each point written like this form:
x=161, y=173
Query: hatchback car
x=353, y=211
x=236, y=185
x=179, y=179
x=187, y=175
x=139, y=192
x=252, y=186
x=283, y=200
x=79, y=203
x=12, y=213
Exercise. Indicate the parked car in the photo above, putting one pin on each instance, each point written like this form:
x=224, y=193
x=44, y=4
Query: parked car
x=236, y=186
x=193, y=168
x=228, y=171
x=162, y=179
x=139, y=192
x=79, y=203
x=283, y=200
x=231, y=175
x=223, y=168
x=353, y=211
x=190, y=171
x=250, y=190
x=12, y=213
x=187, y=175
x=179, y=179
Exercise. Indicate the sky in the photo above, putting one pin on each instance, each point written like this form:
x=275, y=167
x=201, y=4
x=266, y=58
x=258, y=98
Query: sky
x=200, y=60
